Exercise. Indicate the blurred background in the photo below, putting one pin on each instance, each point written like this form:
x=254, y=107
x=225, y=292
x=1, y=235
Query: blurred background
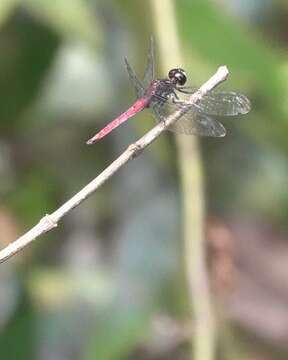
x=109, y=282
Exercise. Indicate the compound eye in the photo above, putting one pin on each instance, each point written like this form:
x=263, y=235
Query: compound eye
x=178, y=76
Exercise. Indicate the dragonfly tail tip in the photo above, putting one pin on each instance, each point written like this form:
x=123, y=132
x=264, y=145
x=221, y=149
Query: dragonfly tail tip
x=91, y=141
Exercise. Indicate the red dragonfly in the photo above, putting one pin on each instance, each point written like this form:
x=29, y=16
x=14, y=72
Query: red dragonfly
x=165, y=96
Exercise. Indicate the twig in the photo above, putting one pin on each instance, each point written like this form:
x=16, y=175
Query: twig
x=49, y=222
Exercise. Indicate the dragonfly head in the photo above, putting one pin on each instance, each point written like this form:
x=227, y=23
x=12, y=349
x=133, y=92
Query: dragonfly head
x=177, y=76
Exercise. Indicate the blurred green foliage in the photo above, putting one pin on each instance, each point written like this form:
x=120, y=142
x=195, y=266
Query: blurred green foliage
x=61, y=77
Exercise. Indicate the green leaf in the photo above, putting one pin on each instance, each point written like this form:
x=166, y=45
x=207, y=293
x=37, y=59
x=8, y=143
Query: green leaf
x=6, y=9
x=20, y=330
x=23, y=65
x=222, y=39
x=117, y=334
x=216, y=38
x=68, y=18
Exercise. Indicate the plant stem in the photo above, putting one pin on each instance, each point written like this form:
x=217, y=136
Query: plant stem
x=203, y=340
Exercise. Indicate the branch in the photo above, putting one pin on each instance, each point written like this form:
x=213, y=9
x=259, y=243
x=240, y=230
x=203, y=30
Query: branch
x=49, y=222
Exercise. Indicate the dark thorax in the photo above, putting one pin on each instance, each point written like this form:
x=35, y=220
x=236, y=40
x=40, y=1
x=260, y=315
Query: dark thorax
x=162, y=90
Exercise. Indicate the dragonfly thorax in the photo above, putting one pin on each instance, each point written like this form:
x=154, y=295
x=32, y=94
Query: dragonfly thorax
x=162, y=89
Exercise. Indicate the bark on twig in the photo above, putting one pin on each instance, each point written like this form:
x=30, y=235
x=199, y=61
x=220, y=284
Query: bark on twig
x=48, y=222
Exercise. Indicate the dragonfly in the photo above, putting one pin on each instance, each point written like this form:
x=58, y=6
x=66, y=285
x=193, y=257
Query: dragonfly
x=165, y=96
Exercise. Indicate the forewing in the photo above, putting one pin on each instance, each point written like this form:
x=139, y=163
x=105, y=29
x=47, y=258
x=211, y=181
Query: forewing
x=221, y=103
x=192, y=123
x=224, y=104
x=149, y=71
x=137, y=83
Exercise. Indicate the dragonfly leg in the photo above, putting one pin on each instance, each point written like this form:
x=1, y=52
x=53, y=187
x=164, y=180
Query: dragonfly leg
x=174, y=95
x=175, y=99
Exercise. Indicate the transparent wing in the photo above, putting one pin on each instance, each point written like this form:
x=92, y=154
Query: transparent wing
x=221, y=103
x=149, y=71
x=137, y=83
x=192, y=123
x=202, y=125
